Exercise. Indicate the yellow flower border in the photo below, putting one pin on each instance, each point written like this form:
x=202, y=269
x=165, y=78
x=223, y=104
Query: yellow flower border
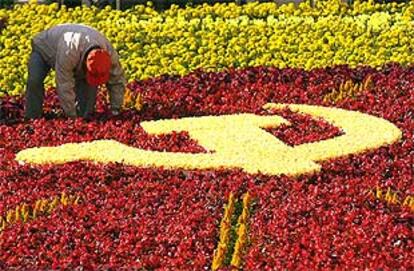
x=24, y=212
x=392, y=197
x=242, y=233
x=225, y=227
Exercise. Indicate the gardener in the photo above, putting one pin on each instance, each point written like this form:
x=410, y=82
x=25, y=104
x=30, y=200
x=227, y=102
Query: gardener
x=83, y=59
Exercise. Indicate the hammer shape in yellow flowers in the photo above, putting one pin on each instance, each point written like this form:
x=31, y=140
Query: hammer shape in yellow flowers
x=234, y=141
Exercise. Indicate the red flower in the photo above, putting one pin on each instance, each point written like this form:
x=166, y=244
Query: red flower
x=154, y=218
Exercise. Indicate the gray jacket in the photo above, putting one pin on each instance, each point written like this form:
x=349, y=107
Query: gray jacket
x=63, y=48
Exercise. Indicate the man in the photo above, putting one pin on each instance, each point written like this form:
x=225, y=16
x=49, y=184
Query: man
x=83, y=59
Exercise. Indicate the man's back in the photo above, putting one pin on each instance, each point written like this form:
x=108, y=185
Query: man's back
x=69, y=37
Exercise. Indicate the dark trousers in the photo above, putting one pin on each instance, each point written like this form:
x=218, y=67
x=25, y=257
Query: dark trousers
x=35, y=90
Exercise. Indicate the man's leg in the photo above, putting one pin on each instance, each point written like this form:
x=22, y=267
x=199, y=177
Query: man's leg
x=86, y=98
x=35, y=91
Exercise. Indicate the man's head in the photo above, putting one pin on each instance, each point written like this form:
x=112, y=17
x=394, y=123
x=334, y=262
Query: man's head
x=98, y=66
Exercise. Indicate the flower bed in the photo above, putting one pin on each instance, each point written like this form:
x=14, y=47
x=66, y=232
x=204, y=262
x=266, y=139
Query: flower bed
x=154, y=217
x=222, y=36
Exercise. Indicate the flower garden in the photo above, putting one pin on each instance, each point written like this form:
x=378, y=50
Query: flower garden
x=253, y=137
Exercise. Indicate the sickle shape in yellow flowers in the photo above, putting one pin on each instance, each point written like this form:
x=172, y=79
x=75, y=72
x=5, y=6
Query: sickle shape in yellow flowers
x=234, y=141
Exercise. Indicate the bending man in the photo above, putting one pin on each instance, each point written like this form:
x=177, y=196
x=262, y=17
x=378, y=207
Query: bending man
x=83, y=59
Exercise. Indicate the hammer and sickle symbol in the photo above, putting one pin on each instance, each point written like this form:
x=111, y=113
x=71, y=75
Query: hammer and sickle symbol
x=234, y=141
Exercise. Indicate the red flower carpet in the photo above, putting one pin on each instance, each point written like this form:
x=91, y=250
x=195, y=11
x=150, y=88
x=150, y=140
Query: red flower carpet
x=356, y=212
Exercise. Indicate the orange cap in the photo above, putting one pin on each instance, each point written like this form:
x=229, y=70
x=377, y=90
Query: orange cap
x=98, y=66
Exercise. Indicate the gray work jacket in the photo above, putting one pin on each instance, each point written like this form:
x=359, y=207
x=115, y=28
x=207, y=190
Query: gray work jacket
x=64, y=48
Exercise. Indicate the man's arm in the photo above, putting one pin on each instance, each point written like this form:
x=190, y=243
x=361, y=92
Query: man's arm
x=65, y=80
x=116, y=84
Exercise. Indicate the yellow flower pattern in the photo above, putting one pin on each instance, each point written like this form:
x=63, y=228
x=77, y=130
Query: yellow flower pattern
x=234, y=141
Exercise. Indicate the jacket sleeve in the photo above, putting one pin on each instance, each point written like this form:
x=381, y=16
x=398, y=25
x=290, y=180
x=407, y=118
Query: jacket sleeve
x=65, y=79
x=116, y=84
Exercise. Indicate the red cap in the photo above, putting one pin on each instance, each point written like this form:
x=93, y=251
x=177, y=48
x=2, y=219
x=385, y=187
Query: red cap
x=98, y=66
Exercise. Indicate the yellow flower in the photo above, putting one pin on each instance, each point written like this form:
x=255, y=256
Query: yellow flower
x=220, y=35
